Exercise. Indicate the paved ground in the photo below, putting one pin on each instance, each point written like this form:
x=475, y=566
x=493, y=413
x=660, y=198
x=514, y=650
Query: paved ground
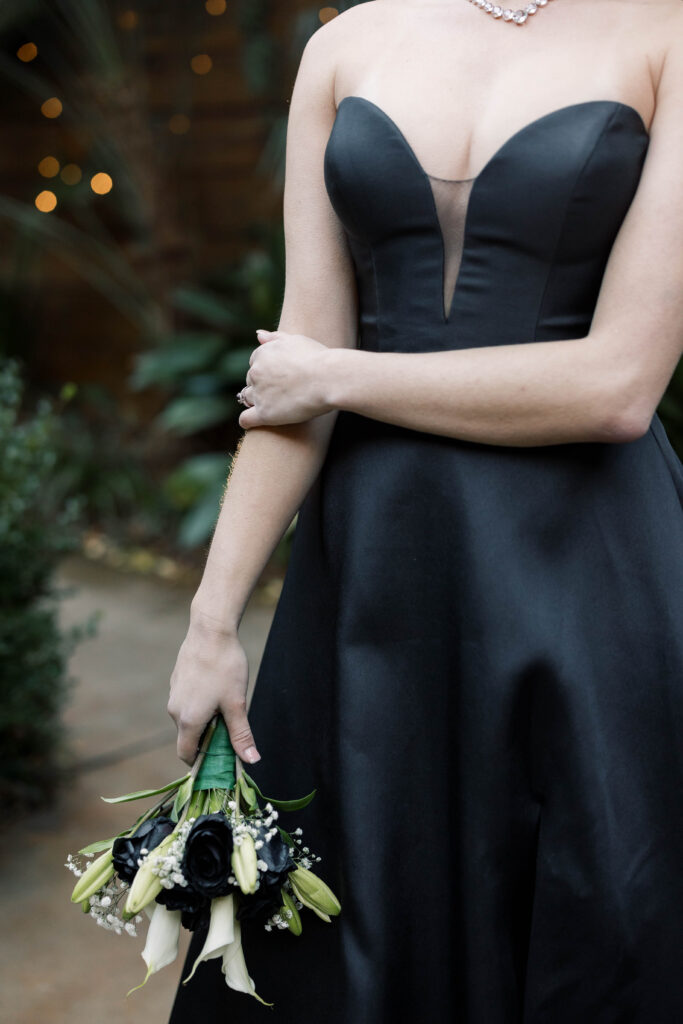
x=58, y=967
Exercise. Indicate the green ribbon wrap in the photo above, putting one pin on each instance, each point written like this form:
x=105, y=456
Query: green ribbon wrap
x=217, y=770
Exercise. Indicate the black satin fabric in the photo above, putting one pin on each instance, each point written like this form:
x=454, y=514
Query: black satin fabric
x=477, y=655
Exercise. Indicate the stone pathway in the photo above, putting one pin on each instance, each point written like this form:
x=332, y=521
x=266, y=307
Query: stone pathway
x=58, y=967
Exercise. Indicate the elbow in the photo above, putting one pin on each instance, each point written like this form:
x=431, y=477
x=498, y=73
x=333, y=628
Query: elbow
x=626, y=414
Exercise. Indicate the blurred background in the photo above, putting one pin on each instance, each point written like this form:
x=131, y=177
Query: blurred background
x=141, y=178
x=141, y=245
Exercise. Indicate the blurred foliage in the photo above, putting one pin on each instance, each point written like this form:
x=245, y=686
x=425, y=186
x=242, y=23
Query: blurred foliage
x=197, y=349
x=104, y=108
x=101, y=77
x=202, y=366
x=107, y=457
x=37, y=527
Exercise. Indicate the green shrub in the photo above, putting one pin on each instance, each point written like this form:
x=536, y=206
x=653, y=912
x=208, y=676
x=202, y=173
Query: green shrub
x=37, y=528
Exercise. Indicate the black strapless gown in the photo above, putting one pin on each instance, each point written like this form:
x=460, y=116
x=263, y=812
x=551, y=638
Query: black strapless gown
x=477, y=655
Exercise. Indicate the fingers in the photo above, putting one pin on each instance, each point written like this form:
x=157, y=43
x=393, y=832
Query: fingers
x=264, y=335
x=189, y=734
x=250, y=418
x=234, y=712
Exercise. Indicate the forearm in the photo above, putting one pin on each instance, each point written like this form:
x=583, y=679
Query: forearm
x=529, y=394
x=271, y=474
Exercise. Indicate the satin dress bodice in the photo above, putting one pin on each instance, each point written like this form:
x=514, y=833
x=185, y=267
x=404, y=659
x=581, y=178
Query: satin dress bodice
x=526, y=241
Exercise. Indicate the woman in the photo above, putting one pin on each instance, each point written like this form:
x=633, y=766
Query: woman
x=477, y=656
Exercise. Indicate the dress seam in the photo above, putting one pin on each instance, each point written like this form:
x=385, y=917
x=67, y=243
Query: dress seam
x=551, y=263
x=376, y=290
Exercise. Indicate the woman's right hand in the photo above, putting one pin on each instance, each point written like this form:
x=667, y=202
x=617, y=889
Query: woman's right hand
x=210, y=676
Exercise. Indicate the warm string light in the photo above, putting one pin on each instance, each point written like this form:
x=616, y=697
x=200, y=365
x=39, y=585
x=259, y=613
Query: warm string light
x=326, y=14
x=46, y=201
x=52, y=107
x=201, y=64
x=128, y=20
x=71, y=174
x=48, y=167
x=101, y=183
x=215, y=7
x=27, y=52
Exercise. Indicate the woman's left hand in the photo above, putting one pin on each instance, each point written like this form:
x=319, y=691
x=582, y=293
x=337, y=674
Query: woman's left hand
x=284, y=380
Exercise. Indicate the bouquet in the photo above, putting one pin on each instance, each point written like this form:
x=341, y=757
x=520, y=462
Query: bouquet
x=207, y=854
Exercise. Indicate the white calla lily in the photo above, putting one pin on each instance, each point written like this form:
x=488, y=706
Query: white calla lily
x=224, y=939
x=163, y=934
x=235, y=968
x=220, y=933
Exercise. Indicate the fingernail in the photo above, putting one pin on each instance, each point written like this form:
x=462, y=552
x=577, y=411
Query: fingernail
x=252, y=755
x=262, y=330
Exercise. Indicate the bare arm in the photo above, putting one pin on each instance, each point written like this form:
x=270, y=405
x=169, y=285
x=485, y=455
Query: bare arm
x=603, y=387
x=274, y=467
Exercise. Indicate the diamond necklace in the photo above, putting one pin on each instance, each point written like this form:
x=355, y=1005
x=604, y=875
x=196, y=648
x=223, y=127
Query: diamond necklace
x=517, y=17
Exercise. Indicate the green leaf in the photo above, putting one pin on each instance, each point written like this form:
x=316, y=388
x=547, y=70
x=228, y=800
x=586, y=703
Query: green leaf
x=187, y=415
x=182, y=796
x=170, y=363
x=143, y=793
x=197, y=524
x=235, y=363
x=215, y=800
x=205, y=305
x=287, y=838
x=282, y=805
x=198, y=472
x=293, y=922
x=104, y=844
x=248, y=794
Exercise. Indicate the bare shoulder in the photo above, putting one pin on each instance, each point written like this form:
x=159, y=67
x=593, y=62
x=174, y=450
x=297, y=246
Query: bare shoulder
x=673, y=29
x=342, y=30
x=329, y=47
x=669, y=81
x=666, y=17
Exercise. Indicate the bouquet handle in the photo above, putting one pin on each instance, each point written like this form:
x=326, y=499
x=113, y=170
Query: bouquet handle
x=216, y=760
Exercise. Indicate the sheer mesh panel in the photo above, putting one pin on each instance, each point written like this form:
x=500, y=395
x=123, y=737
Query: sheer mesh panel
x=451, y=198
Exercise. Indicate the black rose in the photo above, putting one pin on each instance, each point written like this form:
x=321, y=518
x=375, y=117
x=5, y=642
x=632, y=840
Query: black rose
x=126, y=850
x=196, y=909
x=276, y=854
x=197, y=920
x=208, y=849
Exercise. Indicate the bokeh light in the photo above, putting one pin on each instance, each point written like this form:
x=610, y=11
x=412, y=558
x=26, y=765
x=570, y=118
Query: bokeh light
x=71, y=174
x=101, y=183
x=215, y=6
x=46, y=201
x=128, y=20
x=51, y=107
x=201, y=64
x=179, y=124
x=48, y=167
x=327, y=14
x=27, y=52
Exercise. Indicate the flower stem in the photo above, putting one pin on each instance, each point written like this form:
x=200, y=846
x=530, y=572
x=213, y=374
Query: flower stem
x=213, y=725
x=193, y=808
x=156, y=807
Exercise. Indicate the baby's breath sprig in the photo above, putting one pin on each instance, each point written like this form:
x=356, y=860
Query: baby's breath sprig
x=168, y=866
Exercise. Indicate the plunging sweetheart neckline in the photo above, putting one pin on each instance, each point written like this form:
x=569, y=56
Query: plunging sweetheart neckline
x=447, y=309
x=504, y=145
